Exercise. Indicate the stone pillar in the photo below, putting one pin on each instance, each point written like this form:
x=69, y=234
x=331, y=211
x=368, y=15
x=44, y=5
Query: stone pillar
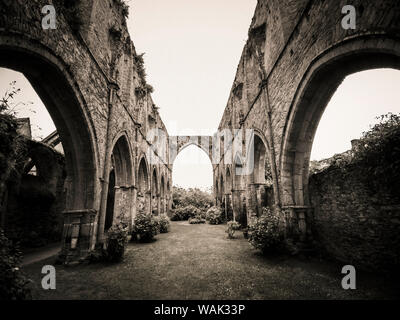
x=168, y=204
x=225, y=207
x=148, y=203
x=78, y=234
x=158, y=199
x=298, y=219
x=133, y=207
x=229, y=209
x=237, y=204
x=252, y=198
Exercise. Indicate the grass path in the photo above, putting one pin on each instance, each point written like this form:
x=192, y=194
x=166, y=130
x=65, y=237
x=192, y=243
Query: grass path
x=199, y=262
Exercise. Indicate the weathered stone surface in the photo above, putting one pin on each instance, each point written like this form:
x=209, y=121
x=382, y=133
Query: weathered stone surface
x=295, y=57
x=88, y=74
x=350, y=223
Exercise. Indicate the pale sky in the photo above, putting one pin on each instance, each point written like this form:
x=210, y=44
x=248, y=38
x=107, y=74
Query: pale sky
x=192, y=52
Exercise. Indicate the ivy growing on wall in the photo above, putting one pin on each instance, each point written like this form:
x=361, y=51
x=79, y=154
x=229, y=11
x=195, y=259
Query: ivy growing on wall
x=376, y=158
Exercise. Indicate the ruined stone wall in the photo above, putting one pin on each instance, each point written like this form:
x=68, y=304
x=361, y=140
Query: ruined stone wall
x=276, y=91
x=87, y=73
x=35, y=202
x=350, y=223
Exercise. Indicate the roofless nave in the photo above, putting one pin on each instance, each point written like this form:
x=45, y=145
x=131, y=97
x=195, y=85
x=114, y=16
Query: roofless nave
x=89, y=78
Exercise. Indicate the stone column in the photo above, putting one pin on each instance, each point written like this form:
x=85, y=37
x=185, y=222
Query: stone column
x=158, y=199
x=237, y=204
x=78, y=234
x=297, y=222
x=147, y=202
x=252, y=198
x=133, y=206
x=228, y=204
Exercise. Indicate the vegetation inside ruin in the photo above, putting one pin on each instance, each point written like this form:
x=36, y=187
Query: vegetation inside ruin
x=376, y=158
x=200, y=262
x=190, y=204
x=265, y=233
x=13, y=282
x=193, y=196
x=29, y=218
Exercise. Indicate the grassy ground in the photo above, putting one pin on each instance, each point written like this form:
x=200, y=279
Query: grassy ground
x=199, y=262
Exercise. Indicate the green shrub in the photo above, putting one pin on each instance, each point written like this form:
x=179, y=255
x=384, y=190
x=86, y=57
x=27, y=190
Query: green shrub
x=201, y=214
x=265, y=233
x=163, y=223
x=185, y=213
x=378, y=156
x=197, y=220
x=194, y=197
x=232, y=227
x=13, y=283
x=214, y=215
x=116, y=242
x=145, y=227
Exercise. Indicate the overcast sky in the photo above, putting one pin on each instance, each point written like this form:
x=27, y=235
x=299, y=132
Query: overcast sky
x=192, y=52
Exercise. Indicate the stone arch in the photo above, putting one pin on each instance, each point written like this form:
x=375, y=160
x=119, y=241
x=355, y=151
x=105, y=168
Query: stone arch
x=122, y=162
x=319, y=83
x=259, y=157
x=228, y=180
x=221, y=189
x=162, y=194
x=182, y=142
x=155, y=192
x=228, y=194
x=60, y=94
x=238, y=177
x=120, y=182
x=143, y=186
x=143, y=175
x=256, y=187
x=197, y=145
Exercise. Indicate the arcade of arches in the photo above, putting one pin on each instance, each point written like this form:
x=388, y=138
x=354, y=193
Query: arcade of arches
x=294, y=59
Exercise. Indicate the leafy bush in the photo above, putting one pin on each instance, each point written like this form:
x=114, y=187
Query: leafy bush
x=163, y=223
x=13, y=283
x=145, y=227
x=265, y=233
x=214, y=215
x=197, y=220
x=185, y=213
x=116, y=242
x=376, y=158
x=378, y=155
x=232, y=227
x=194, y=197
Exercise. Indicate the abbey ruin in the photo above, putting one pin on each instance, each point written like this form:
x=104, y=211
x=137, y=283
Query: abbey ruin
x=90, y=77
